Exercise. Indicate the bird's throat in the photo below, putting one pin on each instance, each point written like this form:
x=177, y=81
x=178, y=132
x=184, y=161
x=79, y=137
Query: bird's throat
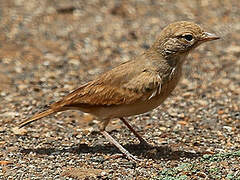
x=176, y=60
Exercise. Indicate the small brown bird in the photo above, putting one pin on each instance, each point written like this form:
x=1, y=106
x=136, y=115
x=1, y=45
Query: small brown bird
x=138, y=85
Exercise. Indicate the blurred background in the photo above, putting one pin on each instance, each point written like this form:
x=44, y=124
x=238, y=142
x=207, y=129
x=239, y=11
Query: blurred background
x=50, y=47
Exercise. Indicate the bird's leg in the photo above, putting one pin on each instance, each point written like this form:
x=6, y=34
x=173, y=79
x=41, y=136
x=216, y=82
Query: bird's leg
x=103, y=125
x=119, y=146
x=142, y=141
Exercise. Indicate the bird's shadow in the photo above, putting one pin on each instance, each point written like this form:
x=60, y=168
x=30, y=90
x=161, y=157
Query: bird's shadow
x=152, y=152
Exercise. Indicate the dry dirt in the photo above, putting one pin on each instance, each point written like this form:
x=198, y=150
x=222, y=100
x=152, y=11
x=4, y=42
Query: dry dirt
x=50, y=47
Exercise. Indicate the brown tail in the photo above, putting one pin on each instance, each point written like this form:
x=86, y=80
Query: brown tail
x=36, y=117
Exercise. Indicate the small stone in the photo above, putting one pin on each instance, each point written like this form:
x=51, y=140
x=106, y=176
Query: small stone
x=172, y=113
x=79, y=136
x=162, y=128
x=103, y=173
x=182, y=123
x=220, y=112
x=191, y=109
x=2, y=129
x=19, y=131
x=191, y=128
x=182, y=115
x=187, y=94
x=2, y=143
x=228, y=128
x=9, y=114
x=202, y=102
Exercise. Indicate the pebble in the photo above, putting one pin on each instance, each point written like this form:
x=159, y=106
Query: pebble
x=46, y=53
x=19, y=131
x=2, y=129
x=227, y=128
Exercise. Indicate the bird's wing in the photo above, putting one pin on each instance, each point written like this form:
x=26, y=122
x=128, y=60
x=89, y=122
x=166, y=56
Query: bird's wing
x=112, y=89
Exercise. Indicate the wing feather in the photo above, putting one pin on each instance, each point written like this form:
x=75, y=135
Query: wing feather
x=106, y=91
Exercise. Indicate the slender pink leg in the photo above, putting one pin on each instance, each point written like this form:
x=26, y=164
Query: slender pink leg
x=122, y=149
x=142, y=141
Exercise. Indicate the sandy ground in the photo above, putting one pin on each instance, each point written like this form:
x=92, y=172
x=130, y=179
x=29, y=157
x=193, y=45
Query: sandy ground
x=50, y=47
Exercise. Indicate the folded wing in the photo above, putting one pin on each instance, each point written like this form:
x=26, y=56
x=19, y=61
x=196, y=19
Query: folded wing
x=103, y=91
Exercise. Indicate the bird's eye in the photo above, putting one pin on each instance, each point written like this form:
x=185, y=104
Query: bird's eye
x=188, y=37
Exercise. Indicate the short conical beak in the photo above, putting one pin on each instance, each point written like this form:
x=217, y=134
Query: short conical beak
x=209, y=37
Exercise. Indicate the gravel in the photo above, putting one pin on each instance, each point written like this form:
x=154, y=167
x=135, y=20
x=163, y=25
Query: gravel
x=49, y=48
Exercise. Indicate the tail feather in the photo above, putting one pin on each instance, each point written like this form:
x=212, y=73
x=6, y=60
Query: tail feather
x=36, y=117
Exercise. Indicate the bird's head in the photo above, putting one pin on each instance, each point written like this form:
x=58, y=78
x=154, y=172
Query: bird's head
x=180, y=38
